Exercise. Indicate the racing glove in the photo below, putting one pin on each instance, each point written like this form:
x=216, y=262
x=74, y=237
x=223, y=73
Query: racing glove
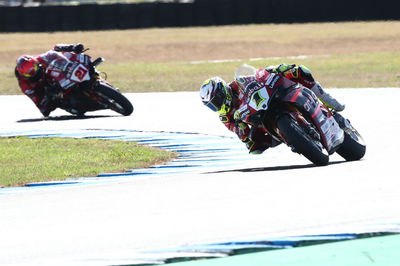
x=255, y=148
x=76, y=48
x=249, y=143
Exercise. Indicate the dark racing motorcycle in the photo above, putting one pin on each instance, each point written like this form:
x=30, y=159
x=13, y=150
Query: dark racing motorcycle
x=92, y=93
x=292, y=114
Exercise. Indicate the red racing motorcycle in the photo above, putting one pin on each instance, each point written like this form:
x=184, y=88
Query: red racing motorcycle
x=292, y=114
x=92, y=93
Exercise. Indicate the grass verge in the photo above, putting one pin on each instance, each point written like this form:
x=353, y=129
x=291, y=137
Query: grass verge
x=348, y=54
x=355, y=70
x=24, y=160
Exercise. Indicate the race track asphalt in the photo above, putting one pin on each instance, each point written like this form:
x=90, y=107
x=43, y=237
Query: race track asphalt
x=278, y=193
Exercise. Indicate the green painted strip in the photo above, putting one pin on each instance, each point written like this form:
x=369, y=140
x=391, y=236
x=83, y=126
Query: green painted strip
x=374, y=251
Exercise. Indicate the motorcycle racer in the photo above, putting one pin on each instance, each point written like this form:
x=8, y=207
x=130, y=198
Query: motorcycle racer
x=226, y=99
x=302, y=75
x=46, y=77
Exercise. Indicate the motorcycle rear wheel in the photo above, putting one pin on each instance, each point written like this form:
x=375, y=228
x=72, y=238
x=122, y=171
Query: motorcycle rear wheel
x=298, y=139
x=353, y=147
x=115, y=100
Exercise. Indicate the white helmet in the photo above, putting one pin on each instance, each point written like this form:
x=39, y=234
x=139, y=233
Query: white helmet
x=216, y=95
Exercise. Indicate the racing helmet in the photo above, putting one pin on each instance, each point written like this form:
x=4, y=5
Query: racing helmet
x=216, y=95
x=29, y=68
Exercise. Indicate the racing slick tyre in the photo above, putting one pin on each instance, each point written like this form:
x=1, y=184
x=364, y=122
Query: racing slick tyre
x=352, y=148
x=115, y=100
x=301, y=142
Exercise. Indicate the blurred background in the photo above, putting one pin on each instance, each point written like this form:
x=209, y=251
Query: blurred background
x=56, y=15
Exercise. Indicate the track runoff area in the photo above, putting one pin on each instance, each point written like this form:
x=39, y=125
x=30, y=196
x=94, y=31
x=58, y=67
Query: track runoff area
x=214, y=201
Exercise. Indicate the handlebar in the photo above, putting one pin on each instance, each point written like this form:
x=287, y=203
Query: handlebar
x=98, y=61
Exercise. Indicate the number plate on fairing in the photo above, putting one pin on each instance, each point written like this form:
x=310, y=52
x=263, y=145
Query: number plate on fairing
x=259, y=99
x=80, y=74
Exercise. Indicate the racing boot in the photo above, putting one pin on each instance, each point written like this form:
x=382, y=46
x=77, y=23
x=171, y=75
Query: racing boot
x=254, y=147
x=326, y=98
x=261, y=141
x=258, y=148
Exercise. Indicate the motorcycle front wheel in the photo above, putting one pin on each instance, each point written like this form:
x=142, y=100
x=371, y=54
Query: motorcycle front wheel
x=114, y=99
x=301, y=142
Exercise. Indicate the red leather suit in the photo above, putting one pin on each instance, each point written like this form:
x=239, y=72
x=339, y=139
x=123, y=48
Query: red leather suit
x=258, y=138
x=57, y=70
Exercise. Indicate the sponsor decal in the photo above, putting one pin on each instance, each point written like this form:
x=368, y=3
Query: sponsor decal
x=307, y=106
x=80, y=74
x=244, y=114
x=272, y=79
x=331, y=130
x=241, y=113
x=55, y=74
x=65, y=83
x=259, y=99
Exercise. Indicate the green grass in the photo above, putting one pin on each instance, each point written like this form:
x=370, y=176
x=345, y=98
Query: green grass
x=356, y=70
x=349, y=54
x=25, y=160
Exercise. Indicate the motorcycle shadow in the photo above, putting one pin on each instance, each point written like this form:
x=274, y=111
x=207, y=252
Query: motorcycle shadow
x=274, y=168
x=63, y=118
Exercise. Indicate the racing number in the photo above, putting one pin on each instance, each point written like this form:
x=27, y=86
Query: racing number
x=258, y=99
x=80, y=73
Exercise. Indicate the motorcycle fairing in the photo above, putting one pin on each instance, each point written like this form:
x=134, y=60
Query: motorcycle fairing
x=331, y=134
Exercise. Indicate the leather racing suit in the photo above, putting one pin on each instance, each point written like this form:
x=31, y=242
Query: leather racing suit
x=257, y=140
x=58, y=65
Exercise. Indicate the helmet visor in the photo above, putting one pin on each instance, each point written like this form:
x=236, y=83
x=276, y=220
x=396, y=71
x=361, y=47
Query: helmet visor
x=31, y=72
x=216, y=102
x=28, y=69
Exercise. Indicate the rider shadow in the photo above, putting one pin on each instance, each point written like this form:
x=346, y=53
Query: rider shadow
x=273, y=168
x=63, y=118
